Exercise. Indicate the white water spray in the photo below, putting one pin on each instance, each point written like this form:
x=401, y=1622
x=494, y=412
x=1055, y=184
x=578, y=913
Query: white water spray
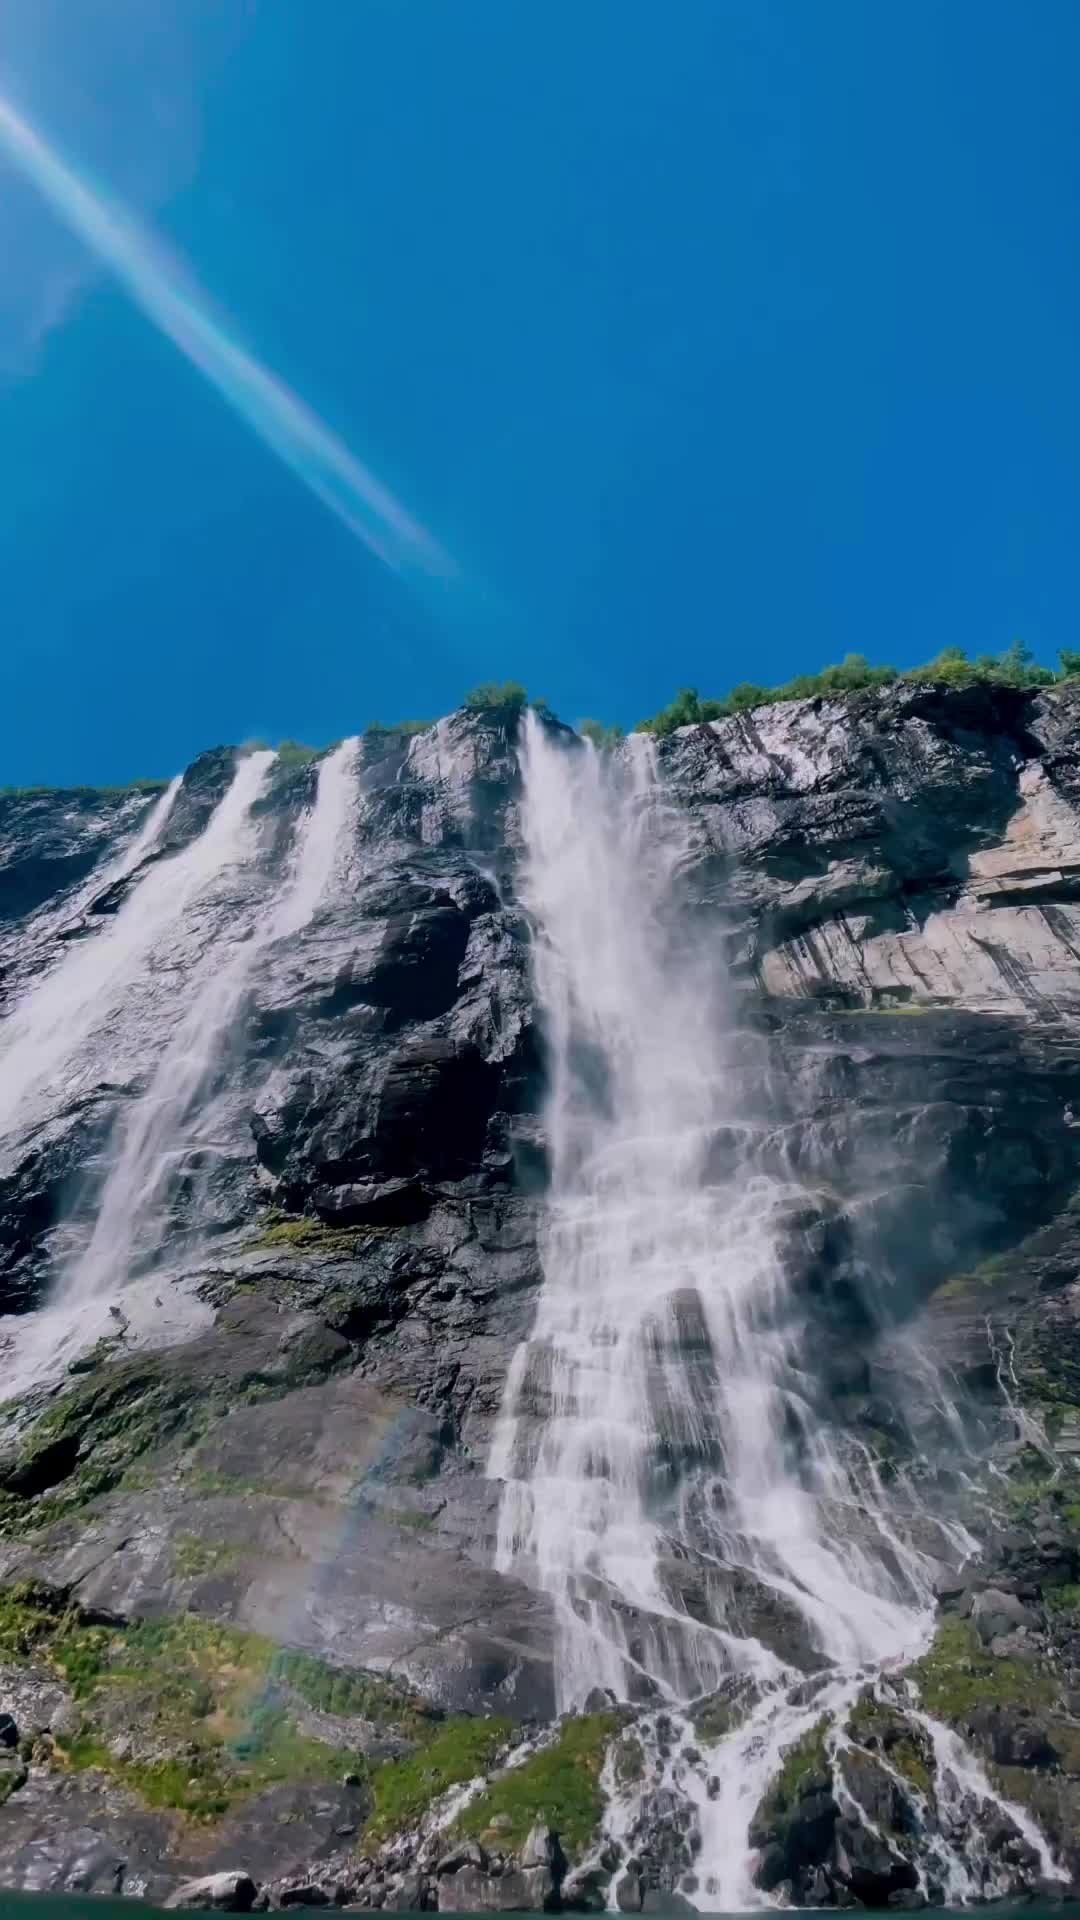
x=132, y=1216
x=658, y=1401
x=668, y=1477
x=41, y=1038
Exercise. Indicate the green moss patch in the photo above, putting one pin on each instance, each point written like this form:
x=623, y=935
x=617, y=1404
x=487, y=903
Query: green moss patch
x=875, y=1725
x=349, y=1694
x=988, y=1273
x=805, y=1759
x=957, y=1674
x=194, y=1557
x=89, y=1437
x=306, y=1235
x=559, y=1785
x=194, y=1715
x=413, y=1518
x=404, y=1789
x=1062, y=1600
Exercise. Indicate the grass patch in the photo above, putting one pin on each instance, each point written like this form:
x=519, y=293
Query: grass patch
x=209, y=1705
x=559, y=1785
x=957, y=1674
x=348, y=1693
x=807, y=1755
x=986, y=1274
x=375, y=732
x=88, y=793
x=307, y=1235
x=906, y=1009
x=416, y=1522
x=404, y=1789
x=193, y=1557
x=91, y=1435
x=803, y=1759
x=873, y=1725
x=1063, y=1599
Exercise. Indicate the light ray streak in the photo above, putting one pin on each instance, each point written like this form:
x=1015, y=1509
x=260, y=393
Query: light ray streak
x=279, y=417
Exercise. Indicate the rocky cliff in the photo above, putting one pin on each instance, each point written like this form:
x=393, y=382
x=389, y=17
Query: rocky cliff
x=250, y=1622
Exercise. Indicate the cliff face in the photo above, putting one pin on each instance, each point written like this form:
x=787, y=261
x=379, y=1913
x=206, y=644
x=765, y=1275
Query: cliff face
x=280, y=1435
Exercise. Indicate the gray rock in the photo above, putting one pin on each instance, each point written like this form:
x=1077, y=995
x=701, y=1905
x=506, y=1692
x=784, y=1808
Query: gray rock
x=996, y=1613
x=541, y=1847
x=408, y=1896
x=217, y=1893
x=868, y=1867
x=468, y=1853
x=628, y=1893
x=515, y=1891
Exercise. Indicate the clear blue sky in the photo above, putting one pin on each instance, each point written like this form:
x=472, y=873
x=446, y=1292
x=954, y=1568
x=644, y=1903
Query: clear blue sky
x=711, y=340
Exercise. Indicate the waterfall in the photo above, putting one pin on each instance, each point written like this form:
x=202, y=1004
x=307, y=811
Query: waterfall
x=42, y=1036
x=669, y=1478
x=656, y=1401
x=132, y=1214
x=134, y=854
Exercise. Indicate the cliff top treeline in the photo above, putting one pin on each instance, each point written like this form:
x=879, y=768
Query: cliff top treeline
x=1014, y=667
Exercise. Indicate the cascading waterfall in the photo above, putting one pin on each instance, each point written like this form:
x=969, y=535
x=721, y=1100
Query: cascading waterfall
x=665, y=1467
x=91, y=1020
x=42, y=1036
x=132, y=1215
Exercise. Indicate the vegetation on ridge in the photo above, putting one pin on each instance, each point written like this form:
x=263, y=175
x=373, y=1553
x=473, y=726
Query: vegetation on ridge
x=1015, y=667
x=79, y=792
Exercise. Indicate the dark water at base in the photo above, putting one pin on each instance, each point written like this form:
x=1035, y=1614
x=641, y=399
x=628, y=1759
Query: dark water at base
x=78, y=1906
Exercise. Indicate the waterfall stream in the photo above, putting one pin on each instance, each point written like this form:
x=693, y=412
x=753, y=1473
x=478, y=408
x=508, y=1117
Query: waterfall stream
x=132, y=1215
x=669, y=1479
x=43, y=1034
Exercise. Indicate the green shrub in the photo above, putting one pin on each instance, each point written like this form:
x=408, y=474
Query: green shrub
x=560, y=1785
x=507, y=696
x=375, y=730
x=602, y=737
x=1015, y=667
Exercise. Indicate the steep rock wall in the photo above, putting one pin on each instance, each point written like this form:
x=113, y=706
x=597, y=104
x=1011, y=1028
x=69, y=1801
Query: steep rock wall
x=893, y=884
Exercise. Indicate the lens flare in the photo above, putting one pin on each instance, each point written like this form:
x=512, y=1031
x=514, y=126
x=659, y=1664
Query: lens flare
x=280, y=418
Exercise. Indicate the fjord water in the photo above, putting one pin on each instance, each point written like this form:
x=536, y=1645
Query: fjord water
x=661, y=1446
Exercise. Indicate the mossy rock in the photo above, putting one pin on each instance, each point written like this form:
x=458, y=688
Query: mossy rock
x=558, y=1785
x=90, y=1435
x=957, y=1675
x=804, y=1763
x=195, y=1716
x=403, y=1789
x=304, y=1234
x=882, y=1728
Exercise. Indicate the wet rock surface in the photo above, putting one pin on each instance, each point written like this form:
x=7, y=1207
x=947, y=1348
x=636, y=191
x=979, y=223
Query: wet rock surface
x=895, y=880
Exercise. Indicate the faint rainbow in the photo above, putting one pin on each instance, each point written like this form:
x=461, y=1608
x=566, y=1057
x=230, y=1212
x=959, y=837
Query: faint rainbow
x=280, y=418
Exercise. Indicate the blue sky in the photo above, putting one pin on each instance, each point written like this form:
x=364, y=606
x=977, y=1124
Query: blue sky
x=711, y=341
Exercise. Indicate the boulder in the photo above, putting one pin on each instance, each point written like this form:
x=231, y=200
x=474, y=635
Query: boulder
x=996, y=1613
x=867, y=1867
x=516, y=1891
x=628, y=1893
x=232, y=1892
